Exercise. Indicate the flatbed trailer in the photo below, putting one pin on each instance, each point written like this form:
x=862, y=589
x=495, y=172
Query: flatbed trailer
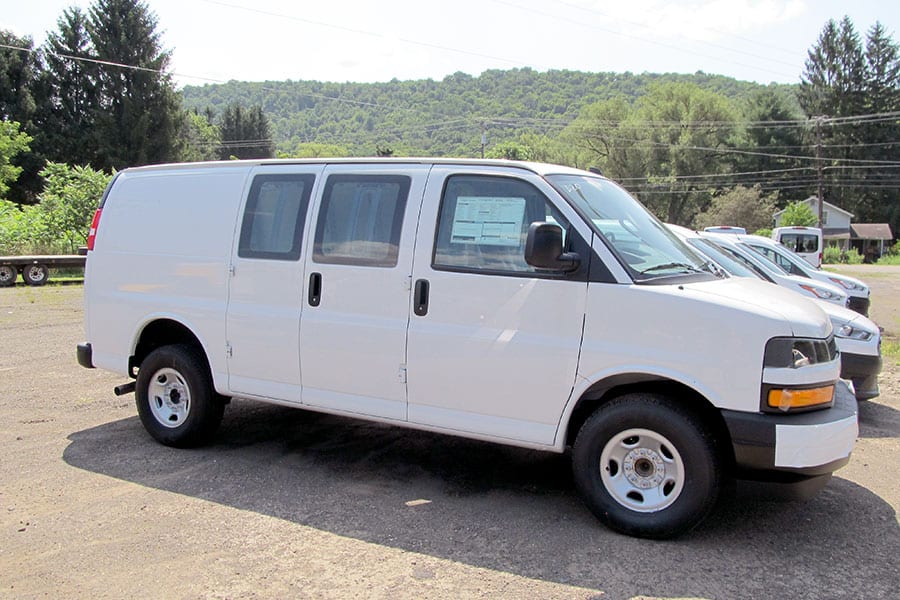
x=35, y=269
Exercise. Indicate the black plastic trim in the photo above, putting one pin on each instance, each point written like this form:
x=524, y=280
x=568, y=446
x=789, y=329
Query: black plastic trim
x=859, y=365
x=860, y=305
x=85, y=355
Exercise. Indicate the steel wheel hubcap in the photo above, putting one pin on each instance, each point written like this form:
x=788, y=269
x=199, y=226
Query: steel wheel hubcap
x=642, y=470
x=169, y=397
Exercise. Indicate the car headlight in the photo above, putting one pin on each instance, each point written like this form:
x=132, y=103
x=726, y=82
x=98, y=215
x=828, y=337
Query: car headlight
x=854, y=333
x=848, y=285
x=796, y=353
x=821, y=293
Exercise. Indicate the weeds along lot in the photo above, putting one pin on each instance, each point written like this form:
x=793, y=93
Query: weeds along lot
x=288, y=503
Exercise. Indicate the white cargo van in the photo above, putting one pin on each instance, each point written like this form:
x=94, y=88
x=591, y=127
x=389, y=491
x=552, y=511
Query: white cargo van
x=473, y=298
x=806, y=242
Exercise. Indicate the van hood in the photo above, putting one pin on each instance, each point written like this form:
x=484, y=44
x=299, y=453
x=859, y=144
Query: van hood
x=802, y=315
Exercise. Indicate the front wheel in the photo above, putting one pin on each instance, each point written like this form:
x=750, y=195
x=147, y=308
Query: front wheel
x=175, y=397
x=646, y=466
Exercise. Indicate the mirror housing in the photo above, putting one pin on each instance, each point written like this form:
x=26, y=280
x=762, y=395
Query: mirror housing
x=544, y=249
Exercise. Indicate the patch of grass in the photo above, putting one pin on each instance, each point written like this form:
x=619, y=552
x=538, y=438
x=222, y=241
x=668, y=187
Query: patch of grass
x=890, y=350
x=889, y=259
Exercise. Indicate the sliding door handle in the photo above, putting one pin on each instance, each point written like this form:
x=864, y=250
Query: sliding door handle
x=315, y=289
x=420, y=298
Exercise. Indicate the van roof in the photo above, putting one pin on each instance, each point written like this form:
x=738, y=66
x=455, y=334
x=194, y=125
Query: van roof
x=535, y=167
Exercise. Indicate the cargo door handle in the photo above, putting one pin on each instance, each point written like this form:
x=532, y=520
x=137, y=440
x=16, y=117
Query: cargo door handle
x=420, y=298
x=315, y=289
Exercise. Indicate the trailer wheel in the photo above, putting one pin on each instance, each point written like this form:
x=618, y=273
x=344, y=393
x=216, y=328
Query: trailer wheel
x=646, y=466
x=7, y=275
x=36, y=274
x=175, y=397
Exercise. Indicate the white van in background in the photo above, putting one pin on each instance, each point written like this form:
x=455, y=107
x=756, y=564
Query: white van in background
x=795, y=265
x=806, y=242
x=474, y=298
x=858, y=338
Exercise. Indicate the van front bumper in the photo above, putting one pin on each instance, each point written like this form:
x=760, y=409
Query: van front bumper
x=862, y=370
x=794, y=447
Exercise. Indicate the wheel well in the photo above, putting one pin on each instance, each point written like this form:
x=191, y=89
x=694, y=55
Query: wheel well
x=162, y=332
x=606, y=391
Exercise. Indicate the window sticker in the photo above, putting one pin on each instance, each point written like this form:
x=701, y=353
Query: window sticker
x=488, y=221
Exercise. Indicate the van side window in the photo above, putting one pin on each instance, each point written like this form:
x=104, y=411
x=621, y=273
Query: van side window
x=360, y=220
x=484, y=220
x=274, y=217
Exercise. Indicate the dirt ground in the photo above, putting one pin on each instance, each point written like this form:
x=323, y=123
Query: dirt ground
x=290, y=504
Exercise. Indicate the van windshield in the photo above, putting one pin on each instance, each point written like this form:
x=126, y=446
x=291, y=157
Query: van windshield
x=642, y=243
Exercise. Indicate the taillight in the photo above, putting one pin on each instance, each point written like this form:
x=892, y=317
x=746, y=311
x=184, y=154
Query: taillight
x=92, y=233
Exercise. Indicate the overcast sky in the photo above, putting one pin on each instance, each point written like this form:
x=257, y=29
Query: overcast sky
x=379, y=40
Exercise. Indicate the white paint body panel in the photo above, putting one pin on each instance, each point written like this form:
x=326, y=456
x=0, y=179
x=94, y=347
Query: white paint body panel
x=811, y=445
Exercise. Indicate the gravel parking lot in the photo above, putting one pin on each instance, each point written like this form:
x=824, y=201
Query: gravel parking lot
x=288, y=503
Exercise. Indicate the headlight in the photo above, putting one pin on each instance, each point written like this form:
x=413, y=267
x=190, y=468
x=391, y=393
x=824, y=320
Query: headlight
x=820, y=292
x=854, y=333
x=796, y=353
x=848, y=285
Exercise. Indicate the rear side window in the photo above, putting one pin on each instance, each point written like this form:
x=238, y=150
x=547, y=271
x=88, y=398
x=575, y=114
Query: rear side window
x=484, y=221
x=274, y=217
x=360, y=220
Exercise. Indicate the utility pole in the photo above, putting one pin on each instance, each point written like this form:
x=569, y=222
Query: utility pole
x=819, y=183
x=483, y=139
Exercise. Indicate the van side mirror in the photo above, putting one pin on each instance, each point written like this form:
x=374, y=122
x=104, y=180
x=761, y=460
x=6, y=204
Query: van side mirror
x=544, y=249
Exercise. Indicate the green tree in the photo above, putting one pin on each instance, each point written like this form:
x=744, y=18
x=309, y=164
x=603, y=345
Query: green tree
x=67, y=204
x=798, y=213
x=315, y=150
x=833, y=83
x=199, y=139
x=509, y=151
x=68, y=93
x=663, y=146
x=246, y=133
x=18, y=70
x=138, y=113
x=743, y=207
x=845, y=79
x=12, y=143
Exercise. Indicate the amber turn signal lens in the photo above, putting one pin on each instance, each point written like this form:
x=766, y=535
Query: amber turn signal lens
x=786, y=399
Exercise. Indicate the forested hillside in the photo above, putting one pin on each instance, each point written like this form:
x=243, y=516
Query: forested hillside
x=435, y=118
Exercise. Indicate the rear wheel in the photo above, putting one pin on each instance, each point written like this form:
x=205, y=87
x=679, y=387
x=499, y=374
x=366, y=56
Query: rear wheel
x=175, y=397
x=646, y=466
x=7, y=275
x=36, y=274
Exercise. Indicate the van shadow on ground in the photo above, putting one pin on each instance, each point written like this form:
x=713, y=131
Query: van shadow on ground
x=503, y=508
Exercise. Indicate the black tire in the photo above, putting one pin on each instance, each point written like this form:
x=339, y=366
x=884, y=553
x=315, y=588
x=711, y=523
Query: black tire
x=35, y=274
x=662, y=472
x=8, y=275
x=175, y=397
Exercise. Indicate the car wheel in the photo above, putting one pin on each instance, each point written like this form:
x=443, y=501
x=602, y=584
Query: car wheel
x=175, y=397
x=7, y=275
x=646, y=466
x=36, y=274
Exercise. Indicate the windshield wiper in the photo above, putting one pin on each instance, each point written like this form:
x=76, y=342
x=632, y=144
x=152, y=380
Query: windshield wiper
x=672, y=265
